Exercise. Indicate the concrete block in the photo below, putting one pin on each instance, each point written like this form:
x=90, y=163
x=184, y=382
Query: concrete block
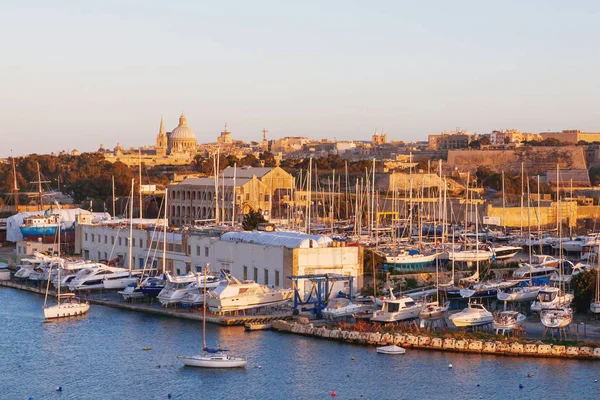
x=424, y=341
x=449, y=343
x=476, y=346
x=387, y=338
x=586, y=352
x=572, y=351
x=517, y=348
x=461, y=345
x=502, y=347
x=544, y=350
x=531, y=348
x=412, y=340
x=375, y=338
x=399, y=339
x=437, y=343
x=489, y=347
x=596, y=352
x=559, y=350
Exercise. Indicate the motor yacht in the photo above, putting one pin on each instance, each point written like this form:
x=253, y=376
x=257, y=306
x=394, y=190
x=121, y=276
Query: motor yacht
x=473, y=315
x=504, y=252
x=121, y=282
x=178, y=286
x=95, y=276
x=434, y=310
x=399, y=309
x=341, y=307
x=233, y=295
x=519, y=293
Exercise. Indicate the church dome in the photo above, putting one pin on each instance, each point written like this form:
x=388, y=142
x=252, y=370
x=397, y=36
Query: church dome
x=182, y=131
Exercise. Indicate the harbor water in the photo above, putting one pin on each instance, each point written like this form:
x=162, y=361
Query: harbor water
x=102, y=356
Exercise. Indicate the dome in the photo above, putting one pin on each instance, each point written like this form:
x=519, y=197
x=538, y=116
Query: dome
x=182, y=132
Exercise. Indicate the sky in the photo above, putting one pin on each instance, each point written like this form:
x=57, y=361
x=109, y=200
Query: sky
x=77, y=74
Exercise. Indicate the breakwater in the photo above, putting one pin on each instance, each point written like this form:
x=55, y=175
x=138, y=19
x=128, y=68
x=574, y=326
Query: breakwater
x=428, y=342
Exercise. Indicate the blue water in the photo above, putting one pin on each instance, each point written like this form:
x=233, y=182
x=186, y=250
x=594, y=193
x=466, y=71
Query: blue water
x=100, y=356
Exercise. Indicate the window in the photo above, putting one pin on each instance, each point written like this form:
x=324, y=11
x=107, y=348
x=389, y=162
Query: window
x=247, y=196
x=255, y=274
x=119, y=241
x=266, y=277
x=86, y=254
x=189, y=249
x=99, y=238
x=197, y=250
x=93, y=236
x=266, y=197
x=277, y=278
x=105, y=256
x=86, y=237
x=99, y=256
x=205, y=251
x=198, y=268
x=245, y=273
x=105, y=239
x=126, y=241
x=112, y=240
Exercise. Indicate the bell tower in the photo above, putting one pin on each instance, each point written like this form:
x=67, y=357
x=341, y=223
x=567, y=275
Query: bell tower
x=161, y=140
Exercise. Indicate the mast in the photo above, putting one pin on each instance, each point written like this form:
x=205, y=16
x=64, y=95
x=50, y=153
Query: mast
x=140, y=180
x=166, y=224
x=204, y=312
x=15, y=187
x=39, y=182
x=539, y=216
x=558, y=217
x=347, y=186
x=373, y=197
x=503, y=204
x=529, y=228
x=234, y=195
x=308, y=198
x=113, y=195
x=57, y=263
x=130, y=245
x=522, y=194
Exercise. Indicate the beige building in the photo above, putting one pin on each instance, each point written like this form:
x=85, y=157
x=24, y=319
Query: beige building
x=572, y=136
x=196, y=199
x=449, y=140
x=507, y=136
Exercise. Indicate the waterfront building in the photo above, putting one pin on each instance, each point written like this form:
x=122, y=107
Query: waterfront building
x=268, y=258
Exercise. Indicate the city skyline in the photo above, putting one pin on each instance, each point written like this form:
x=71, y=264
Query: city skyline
x=88, y=74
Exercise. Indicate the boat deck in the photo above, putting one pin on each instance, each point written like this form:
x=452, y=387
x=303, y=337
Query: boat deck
x=112, y=299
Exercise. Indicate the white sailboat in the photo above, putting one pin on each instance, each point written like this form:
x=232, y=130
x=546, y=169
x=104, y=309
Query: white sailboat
x=67, y=305
x=211, y=358
x=557, y=318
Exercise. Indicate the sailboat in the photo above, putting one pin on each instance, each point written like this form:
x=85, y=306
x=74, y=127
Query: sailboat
x=67, y=305
x=211, y=358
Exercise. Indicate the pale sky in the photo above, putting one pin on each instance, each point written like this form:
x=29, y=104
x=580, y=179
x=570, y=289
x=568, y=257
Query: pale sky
x=75, y=74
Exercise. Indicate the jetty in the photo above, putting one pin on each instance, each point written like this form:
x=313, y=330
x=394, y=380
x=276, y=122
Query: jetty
x=110, y=299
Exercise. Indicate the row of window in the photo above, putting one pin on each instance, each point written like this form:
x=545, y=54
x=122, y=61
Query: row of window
x=265, y=275
x=198, y=195
x=120, y=240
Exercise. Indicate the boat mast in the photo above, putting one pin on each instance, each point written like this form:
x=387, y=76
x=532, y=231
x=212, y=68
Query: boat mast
x=166, y=224
x=234, y=195
x=15, y=187
x=130, y=244
x=39, y=182
x=529, y=229
x=522, y=195
x=140, y=179
x=204, y=312
x=113, y=195
x=539, y=216
x=503, y=204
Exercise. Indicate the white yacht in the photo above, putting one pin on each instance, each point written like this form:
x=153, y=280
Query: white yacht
x=94, y=277
x=233, y=295
x=570, y=271
x=68, y=272
x=434, y=310
x=557, y=318
x=504, y=252
x=473, y=315
x=551, y=298
x=341, y=307
x=397, y=309
x=121, y=282
x=178, y=286
x=542, y=266
x=28, y=264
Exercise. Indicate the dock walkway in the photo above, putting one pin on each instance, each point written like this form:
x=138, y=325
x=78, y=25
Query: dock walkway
x=111, y=299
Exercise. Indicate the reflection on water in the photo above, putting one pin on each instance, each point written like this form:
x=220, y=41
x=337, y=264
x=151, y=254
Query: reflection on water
x=100, y=356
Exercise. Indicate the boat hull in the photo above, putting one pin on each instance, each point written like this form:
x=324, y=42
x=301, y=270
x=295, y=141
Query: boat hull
x=212, y=362
x=236, y=303
x=38, y=231
x=595, y=307
x=65, y=310
x=393, y=349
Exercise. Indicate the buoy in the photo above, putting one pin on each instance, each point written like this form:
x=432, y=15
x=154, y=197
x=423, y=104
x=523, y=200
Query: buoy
x=59, y=388
x=449, y=365
x=478, y=384
x=595, y=380
x=333, y=394
x=260, y=366
x=521, y=386
x=169, y=396
x=147, y=348
x=352, y=358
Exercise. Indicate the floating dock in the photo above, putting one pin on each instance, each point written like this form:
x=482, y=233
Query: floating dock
x=110, y=300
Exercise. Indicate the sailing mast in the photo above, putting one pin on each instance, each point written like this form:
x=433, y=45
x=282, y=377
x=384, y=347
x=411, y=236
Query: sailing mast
x=204, y=312
x=15, y=187
x=140, y=187
x=130, y=244
x=166, y=224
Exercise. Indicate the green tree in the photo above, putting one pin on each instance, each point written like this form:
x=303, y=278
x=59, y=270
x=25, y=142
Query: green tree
x=252, y=219
x=583, y=286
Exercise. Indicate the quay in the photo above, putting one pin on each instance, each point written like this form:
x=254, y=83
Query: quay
x=423, y=341
x=114, y=301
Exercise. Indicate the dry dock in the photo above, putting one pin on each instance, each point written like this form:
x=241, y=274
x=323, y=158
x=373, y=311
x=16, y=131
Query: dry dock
x=115, y=301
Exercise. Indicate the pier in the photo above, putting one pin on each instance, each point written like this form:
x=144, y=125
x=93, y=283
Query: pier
x=111, y=299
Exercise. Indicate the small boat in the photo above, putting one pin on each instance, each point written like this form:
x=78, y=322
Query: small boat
x=210, y=358
x=434, y=310
x=520, y=293
x=393, y=349
x=551, y=298
x=258, y=326
x=397, y=309
x=508, y=320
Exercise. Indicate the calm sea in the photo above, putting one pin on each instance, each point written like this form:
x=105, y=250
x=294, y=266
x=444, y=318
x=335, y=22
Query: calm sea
x=100, y=356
